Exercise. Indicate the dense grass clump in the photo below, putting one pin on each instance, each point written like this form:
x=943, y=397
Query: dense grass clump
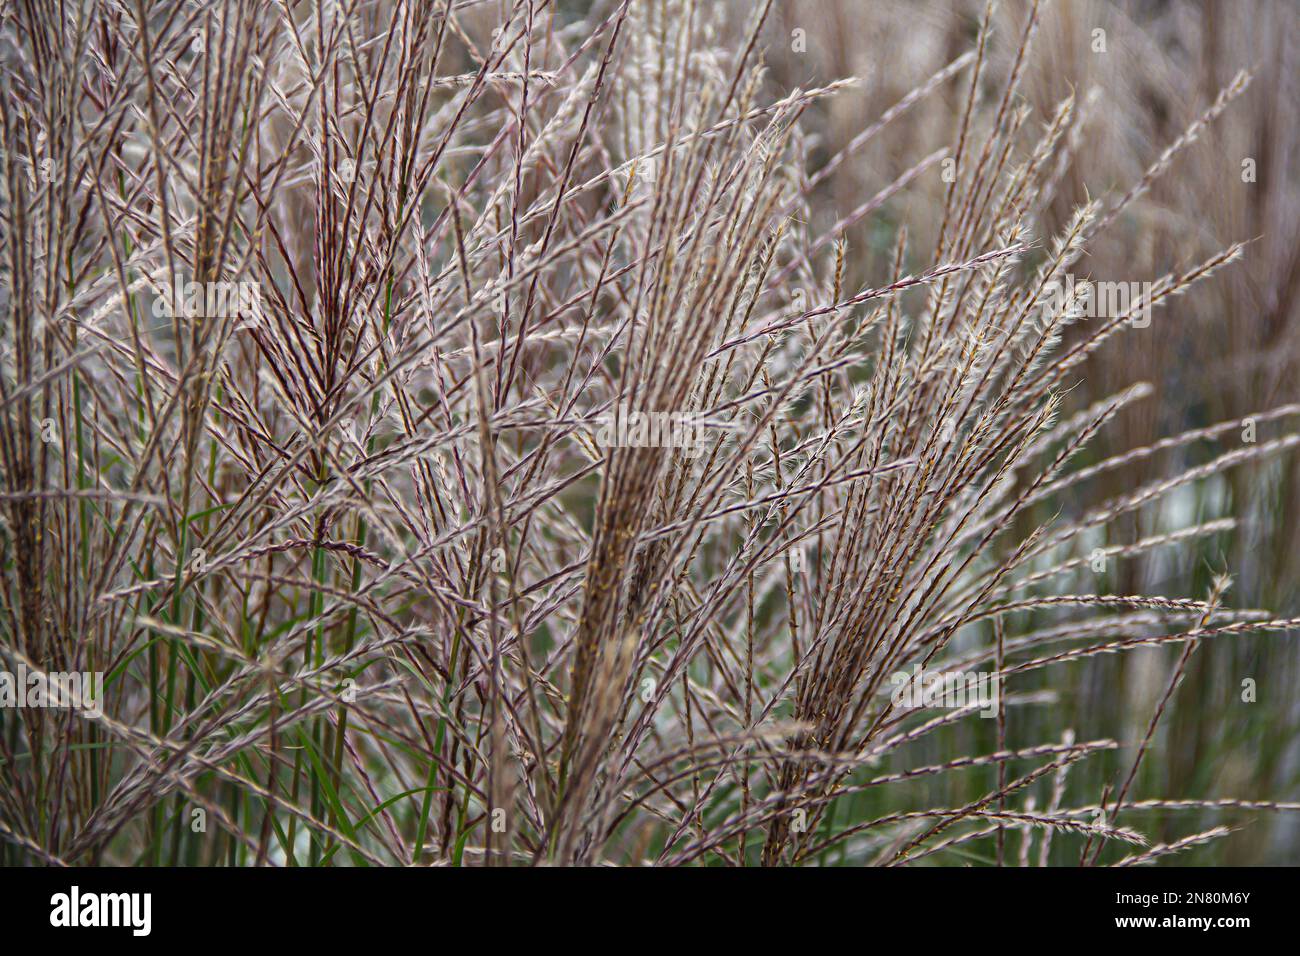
x=475, y=433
